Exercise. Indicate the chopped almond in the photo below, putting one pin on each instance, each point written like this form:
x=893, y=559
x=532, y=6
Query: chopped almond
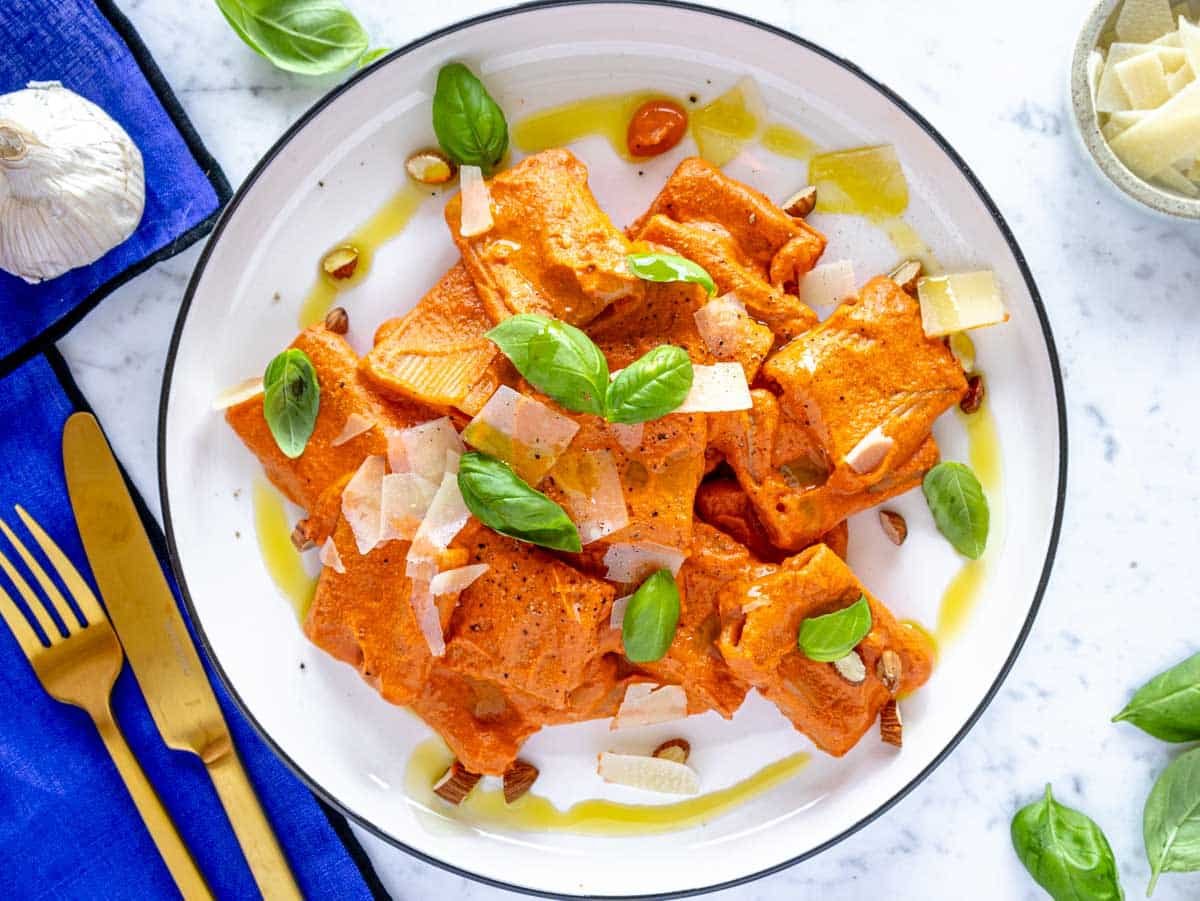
x=340, y=263
x=800, y=204
x=851, y=668
x=891, y=730
x=906, y=274
x=889, y=669
x=430, y=167
x=456, y=783
x=676, y=749
x=518, y=779
x=301, y=539
x=337, y=321
x=973, y=399
x=894, y=526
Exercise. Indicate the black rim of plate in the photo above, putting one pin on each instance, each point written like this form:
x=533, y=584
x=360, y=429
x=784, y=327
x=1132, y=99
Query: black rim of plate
x=943, y=144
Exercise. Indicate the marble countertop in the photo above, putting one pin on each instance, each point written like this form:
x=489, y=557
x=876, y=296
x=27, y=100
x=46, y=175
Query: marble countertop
x=1121, y=291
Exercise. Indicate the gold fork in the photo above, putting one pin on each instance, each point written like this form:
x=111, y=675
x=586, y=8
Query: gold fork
x=80, y=670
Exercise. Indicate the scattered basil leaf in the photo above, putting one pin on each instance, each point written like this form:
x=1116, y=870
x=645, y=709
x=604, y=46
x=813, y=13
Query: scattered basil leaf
x=1168, y=706
x=310, y=37
x=651, y=618
x=669, y=267
x=372, y=55
x=291, y=399
x=651, y=386
x=832, y=636
x=959, y=507
x=1171, y=821
x=468, y=123
x=1065, y=852
x=505, y=503
x=557, y=359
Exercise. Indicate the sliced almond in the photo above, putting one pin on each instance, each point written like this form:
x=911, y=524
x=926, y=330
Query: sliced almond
x=518, y=779
x=301, y=539
x=973, y=399
x=906, y=274
x=800, y=204
x=430, y=167
x=649, y=773
x=851, y=668
x=676, y=749
x=889, y=669
x=341, y=262
x=337, y=321
x=891, y=729
x=456, y=783
x=894, y=526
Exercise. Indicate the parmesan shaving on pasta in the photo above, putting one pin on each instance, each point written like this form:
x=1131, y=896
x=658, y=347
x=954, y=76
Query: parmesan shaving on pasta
x=645, y=704
x=718, y=388
x=595, y=499
x=426, y=449
x=524, y=433
x=240, y=392
x=453, y=581
x=630, y=563
x=356, y=424
x=362, y=503
x=330, y=557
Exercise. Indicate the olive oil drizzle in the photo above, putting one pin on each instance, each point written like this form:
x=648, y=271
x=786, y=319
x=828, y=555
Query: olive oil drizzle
x=279, y=555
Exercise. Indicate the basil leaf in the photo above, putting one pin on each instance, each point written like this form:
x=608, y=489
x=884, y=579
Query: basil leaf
x=1065, y=852
x=959, y=507
x=311, y=37
x=1171, y=821
x=468, y=123
x=557, y=359
x=1168, y=706
x=669, y=267
x=503, y=502
x=372, y=55
x=651, y=618
x=651, y=386
x=832, y=636
x=291, y=399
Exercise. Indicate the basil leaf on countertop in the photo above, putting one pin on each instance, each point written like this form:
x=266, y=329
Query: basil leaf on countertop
x=651, y=386
x=310, y=37
x=669, y=267
x=468, y=123
x=1168, y=706
x=832, y=636
x=503, y=502
x=1171, y=820
x=291, y=400
x=651, y=618
x=959, y=507
x=1065, y=852
x=557, y=359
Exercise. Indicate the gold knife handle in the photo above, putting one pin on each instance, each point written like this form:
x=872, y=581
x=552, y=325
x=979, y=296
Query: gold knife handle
x=174, y=853
x=254, y=833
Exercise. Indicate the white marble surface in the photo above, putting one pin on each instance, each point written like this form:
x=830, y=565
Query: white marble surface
x=1121, y=289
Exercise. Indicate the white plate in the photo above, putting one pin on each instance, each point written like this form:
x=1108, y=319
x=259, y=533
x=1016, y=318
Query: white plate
x=349, y=744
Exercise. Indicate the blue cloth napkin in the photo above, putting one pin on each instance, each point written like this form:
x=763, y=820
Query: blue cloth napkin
x=68, y=828
x=92, y=49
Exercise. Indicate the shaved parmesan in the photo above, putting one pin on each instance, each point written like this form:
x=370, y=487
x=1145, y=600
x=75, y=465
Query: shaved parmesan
x=1180, y=79
x=616, y=619
x=1170, y=133
x=356, y=424
x=239, y=393
x=406, y=498
x=717, y=389
x=656, y=774
x=628, y=435
x=1144, y=20
x=1144, y=81
x=828, y=284
x=425, y=449
x=1095, y=67
x=1170, y=39
x=630, y=563
x=453, y=581
x=870, y=452
x=1175, y=180
x=594, y=498
x=523, y=432
x=362, y=503
x=720, y=323
x=959, y=301
x=1189, y=41
x=428, y=618
x=645, y=704
x=476, y=215
x=330, y=557
x=1118, y=122
x=443, y=521
x=1110, y=95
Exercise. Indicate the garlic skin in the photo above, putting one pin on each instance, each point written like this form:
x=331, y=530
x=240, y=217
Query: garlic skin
x=72, y=185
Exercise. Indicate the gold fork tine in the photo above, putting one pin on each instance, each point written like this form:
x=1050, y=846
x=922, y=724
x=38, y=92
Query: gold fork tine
x=18, y=625
x=29, y=596
x=65, y=613
x=76, y=586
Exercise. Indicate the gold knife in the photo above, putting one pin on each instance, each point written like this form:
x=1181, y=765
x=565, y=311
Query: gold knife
x=157, y=645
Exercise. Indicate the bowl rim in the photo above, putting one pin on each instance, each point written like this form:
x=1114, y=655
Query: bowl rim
x=989, y=204
x=1087, y=127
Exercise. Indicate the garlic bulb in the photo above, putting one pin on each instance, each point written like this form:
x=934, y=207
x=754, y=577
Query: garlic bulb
x=71, y=182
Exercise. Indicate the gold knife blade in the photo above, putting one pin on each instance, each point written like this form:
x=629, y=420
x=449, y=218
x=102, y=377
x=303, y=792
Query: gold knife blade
x=156, y=641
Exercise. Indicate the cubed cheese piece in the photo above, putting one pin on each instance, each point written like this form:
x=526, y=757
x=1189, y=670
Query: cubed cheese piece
x=1170, y=133
x=1144, y=20
x=1189, y=40
x=1172, y=179
x=960, y=301
x=1144, y=81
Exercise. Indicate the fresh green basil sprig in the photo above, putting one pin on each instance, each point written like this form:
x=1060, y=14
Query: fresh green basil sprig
x=670, y=267
x=651, y=618
x=565, y=364
x=1065, y=852
x=291, y=400
x=468, y=123
x=310, y=37
x=832, y=636
x=505, y=503
x=1171, y=820
x=959, y=507
x=1168, y=706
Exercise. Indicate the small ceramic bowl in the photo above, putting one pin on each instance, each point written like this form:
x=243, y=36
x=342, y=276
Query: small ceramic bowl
x=1161, y=200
